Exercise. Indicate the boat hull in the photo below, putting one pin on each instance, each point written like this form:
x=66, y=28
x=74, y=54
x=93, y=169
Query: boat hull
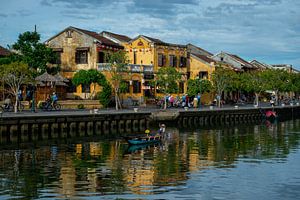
x=144, y=140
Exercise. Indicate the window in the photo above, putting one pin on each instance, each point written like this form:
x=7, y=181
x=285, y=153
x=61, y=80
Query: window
x=203, y=75
x=134, y=57
x=81, y=56
x=222, y=59
x=161, y=60
x=69, y=34
x=86, y=88
x=101, y=57
x=57, y=59
x=181, y=87
x=136, y=86
x=182, y=61
x=173, y=61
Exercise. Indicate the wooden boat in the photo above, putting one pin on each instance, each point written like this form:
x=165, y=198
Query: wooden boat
x=151, y=139
x=270, y=115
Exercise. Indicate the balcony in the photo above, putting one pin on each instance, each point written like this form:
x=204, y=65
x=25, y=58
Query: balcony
x=103, y=67
x=131, y=68
x=135, y=68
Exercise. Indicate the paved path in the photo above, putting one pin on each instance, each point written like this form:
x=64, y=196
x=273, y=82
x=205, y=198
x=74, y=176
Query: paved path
x=152, y=109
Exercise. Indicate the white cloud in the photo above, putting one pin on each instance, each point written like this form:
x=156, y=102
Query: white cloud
x=266, y=29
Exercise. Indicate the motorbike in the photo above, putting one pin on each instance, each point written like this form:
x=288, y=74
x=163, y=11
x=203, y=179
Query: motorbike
x=10, y=107
x=48, y=106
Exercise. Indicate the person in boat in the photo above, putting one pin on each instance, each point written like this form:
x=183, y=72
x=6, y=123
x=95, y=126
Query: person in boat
x=162, y=129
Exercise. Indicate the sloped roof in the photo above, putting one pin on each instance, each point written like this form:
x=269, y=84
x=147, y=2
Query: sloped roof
x=45, y=77
x=260, y=64
x=204, y=58
x=158, y=41
x=119, y=37
x=60, y=78
x=4, y=51
x=100, y=38
x=242, y=61
x=203, y=51
x=96, y=36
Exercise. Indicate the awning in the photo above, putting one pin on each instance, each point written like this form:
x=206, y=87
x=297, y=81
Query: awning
x=83, y=48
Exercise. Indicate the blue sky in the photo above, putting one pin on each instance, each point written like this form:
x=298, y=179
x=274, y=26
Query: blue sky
x=266, y=30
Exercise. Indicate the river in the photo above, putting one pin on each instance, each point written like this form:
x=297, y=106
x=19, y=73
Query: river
x=237, y=162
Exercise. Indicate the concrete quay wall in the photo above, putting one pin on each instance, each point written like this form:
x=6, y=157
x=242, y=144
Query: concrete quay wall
x=39, y=126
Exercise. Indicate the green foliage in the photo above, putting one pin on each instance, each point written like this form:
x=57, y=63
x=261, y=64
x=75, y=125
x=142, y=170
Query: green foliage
x=105, y=95
x=32, y=52
x=93, y=76
x=123, y=87
x=196, y=86
x=80, y=106
x=221, y=79
x=167, y=79
x=14, y=75
x=277, y=80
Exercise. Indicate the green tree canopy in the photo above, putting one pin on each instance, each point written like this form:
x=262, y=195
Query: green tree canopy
x=167, y=79
x=14, y=75
x=32, y=52
x=196, y=86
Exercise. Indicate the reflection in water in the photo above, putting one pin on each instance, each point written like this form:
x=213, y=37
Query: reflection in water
x=194, y=162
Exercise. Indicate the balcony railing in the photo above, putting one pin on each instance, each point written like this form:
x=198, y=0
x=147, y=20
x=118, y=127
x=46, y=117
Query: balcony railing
x=131, y=68
x=135, y=68
x=103, y=66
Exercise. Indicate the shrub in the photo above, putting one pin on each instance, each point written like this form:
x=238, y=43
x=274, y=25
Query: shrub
x=80, y=106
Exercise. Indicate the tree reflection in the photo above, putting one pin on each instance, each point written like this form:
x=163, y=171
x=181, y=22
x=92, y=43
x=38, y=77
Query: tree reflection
x=106, y=167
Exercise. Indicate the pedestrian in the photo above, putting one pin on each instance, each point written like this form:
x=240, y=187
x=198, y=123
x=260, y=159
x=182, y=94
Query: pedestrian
x=199, y=99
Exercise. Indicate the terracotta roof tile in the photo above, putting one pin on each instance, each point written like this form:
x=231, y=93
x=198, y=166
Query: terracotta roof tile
x=204, y=58
x=118, y=36
x=244, y=62
x=4, y=51
x=102, y=39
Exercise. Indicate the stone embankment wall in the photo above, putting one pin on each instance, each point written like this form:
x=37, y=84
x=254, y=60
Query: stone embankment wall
x=39, y=127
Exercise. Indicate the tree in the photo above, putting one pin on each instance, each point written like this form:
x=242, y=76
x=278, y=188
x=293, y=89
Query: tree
x=167, y=80
x=118, y=71
x=31, y=51
x=200, y=86
x=88, y=77
x=276, y=81
x=254, y=82
x=221, y=81
x=14, y=75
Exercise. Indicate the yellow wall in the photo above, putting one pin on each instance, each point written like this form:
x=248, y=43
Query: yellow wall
x=197, y=65
x=147, y=54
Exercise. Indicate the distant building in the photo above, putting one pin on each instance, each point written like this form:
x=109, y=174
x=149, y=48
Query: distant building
x=287, y=67
x=260, y=65
x=234, y=61
x=4, y=52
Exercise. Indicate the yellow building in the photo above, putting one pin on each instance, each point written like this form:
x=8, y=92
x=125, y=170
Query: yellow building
x=146, y=56
x=201, y=65
x=82, y=49
x=78, y=49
